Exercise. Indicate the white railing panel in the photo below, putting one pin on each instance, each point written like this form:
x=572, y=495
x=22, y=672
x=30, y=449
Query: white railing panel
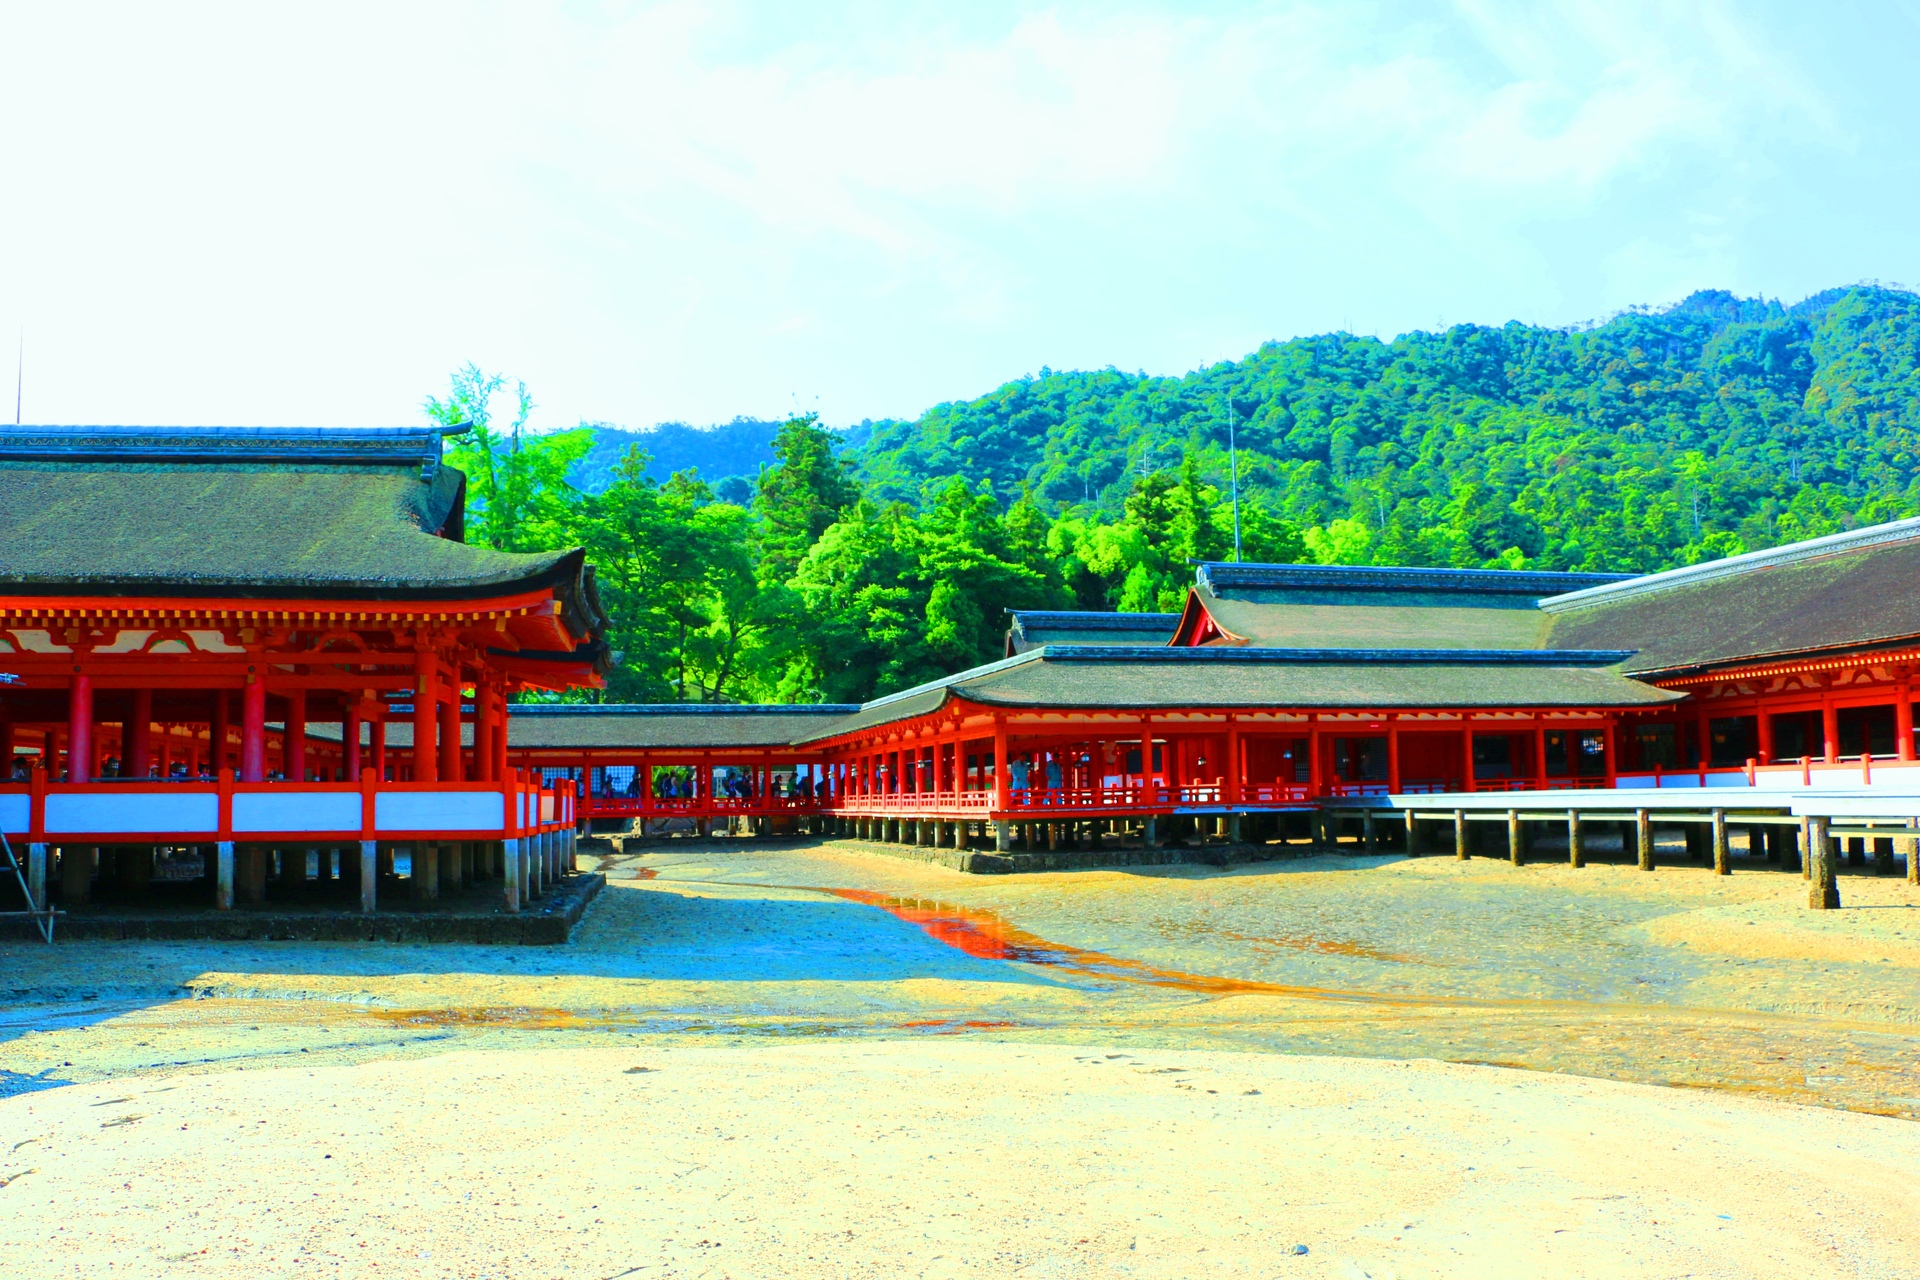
x=296, y=811
x=439, y=811
x=133, y=811
x=16, y=813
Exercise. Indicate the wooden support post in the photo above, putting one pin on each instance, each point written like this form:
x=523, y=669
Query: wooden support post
x=1516, y=839
x=37, y=853
x=1883, y=855
x=1643, y=837
x=253, y=874
x=1910, y=846
x=514, y=875
x=1001, y=842
x=1823, y=891
x=1411, y=847
x=450, y=866
x=369, y=875
x=1460, y=849
x=1806, y=848
x=1367, y=837
x=1722, y=856
x=223, y=876
x=1576, y=842
x=76, y=874
x=425, y=861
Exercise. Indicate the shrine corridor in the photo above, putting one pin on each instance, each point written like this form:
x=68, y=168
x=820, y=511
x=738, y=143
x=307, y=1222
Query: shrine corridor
x=904, y=999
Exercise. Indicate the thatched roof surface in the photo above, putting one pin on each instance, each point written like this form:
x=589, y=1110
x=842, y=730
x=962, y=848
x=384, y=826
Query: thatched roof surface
x=230, y=512
x=1850, y=591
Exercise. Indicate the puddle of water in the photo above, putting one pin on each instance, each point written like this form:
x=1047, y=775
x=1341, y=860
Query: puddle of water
x=986, y=935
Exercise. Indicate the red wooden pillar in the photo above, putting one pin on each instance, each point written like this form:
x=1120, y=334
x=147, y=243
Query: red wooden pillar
x=1316, y=770
x=219, y=729
x=79, y=728
x=1903, y=722
x=293, y=751
x=1705, y=730
x=9, y=740
x=1539, y=756
x=426, y=700
x=1002, y=792
x=1235, y=771
x=350, y=742
x=1829, y=728
x=138, y=762
x=1765, y=724
x=253, y=730
x=450, y=736
x=378, y=741
x=1613, y=754
x=1466, y=748
x=1393, y=757
x=502, y=730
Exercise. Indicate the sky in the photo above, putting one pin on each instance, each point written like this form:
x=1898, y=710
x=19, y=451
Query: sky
x=286, y=214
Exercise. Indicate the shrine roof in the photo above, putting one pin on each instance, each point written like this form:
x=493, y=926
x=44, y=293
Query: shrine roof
x=254, y=513
x=1847, y=591
x=1092, y=677
x=1030, y=627
x=647, y=726
x=1292, y=605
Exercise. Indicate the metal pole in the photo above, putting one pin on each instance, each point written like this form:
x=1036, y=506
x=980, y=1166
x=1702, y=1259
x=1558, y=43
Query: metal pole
x=1233, y=457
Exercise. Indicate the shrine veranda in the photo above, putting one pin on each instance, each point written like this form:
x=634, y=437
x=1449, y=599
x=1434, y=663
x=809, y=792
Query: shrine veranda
x=260, y=666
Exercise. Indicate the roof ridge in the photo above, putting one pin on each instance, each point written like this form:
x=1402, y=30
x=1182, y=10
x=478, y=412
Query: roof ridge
x=1091, y=620
x=681, y=708
x=1734, y=566
x=1216, y=574
x=946, y=682
x=378, y=446
x=1303, y=657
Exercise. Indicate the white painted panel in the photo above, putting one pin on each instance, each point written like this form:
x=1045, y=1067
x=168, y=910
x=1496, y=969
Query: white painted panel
x=439, y=811
x=296, y=811
x=546, y=806
x=16, y=812
x=520, y=808
x=141, y=811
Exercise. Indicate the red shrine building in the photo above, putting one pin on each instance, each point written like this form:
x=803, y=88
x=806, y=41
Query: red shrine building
x=258, y=665
x=181, y=608
x=1285, y=693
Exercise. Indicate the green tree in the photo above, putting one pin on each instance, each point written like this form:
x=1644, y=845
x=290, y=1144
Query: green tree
x=799, y=497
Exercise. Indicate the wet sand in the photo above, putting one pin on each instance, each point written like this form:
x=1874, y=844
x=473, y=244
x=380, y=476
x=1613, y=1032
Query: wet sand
x=750, y=961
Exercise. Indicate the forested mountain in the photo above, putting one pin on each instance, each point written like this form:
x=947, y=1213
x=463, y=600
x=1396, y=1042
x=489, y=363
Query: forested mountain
x=863, y=561
x=733, y=451
x=1651, y=440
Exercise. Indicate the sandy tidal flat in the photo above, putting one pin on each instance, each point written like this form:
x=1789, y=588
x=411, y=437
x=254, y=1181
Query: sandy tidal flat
x=948, y=1159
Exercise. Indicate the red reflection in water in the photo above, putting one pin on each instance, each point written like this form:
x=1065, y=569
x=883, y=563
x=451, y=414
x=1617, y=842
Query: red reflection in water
x=646, y=873
x=987, y=936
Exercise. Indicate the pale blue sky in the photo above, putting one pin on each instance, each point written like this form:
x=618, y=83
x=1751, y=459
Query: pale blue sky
x=683, y=211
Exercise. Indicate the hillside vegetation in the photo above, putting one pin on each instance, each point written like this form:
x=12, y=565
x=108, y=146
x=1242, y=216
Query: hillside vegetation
x=865, y=561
